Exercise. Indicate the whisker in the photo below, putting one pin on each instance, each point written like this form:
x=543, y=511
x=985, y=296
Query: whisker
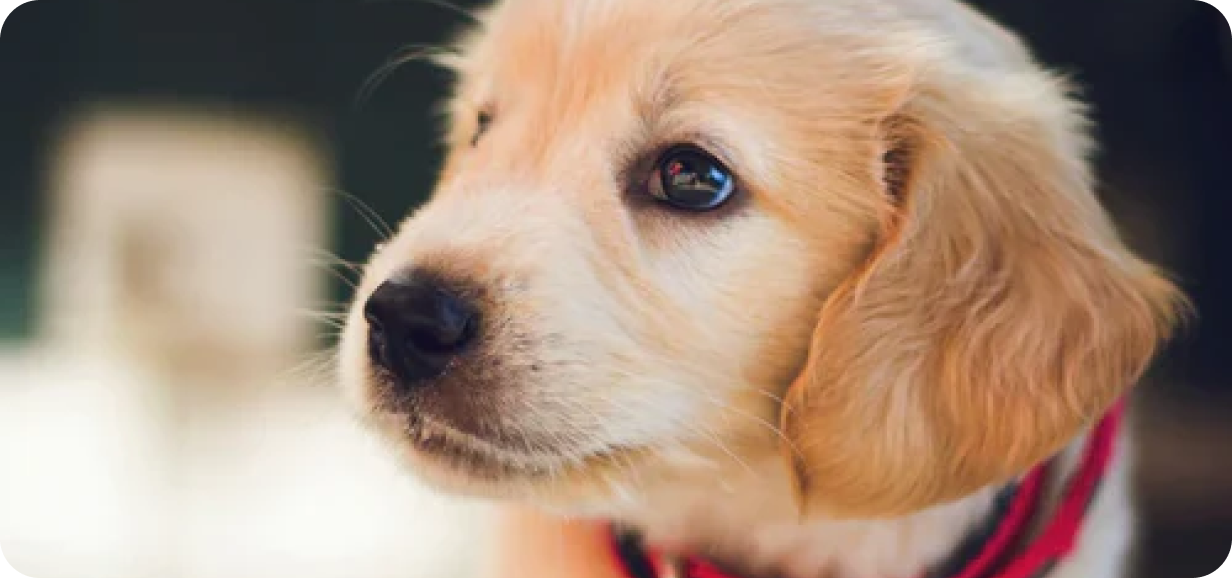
x=773, y=397
x=711, y=437
x=450, y=6
x=718, y=442
x=405, y=55
x=330, y=306
x=367, y=213
x=333, y=259
x=330, y=263
x=315, y=366
x=324, y=263
x=341, y=277
x=335, y=319
x=726, y=407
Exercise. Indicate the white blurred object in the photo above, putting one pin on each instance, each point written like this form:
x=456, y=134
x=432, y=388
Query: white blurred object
x=160, y=431
x=82, y=478
x=302, y=492
x=185, y=239
x=281, y=485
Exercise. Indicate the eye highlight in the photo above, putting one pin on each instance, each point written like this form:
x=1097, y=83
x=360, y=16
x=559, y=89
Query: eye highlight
x=689, y=178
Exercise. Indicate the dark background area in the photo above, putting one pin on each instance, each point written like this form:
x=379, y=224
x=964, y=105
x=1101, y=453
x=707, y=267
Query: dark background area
x=1159, y=73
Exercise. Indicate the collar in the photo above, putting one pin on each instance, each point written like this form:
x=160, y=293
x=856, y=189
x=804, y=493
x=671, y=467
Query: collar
x=1001, y=549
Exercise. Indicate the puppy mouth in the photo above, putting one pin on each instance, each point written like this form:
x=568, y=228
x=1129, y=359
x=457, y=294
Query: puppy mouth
x=477, y=458
x=434, y=443
x=468, y=454
x=436, y=448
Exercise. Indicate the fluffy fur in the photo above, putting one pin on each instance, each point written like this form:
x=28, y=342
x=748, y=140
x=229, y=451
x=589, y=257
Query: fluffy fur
x=915, y=297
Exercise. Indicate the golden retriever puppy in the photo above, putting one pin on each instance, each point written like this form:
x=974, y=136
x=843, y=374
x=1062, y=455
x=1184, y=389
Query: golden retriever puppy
x=788, y=288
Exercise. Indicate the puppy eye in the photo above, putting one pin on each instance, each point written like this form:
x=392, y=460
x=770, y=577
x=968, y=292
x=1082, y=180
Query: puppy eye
x=484, y=121
x=689, y=178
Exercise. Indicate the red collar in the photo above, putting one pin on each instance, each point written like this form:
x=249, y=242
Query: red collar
x=1001, y=553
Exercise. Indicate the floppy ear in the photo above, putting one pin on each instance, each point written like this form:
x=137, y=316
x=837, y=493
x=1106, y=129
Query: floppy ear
x=998, y=316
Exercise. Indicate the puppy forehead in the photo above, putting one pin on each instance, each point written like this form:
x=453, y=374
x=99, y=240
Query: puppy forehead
x=789, y=93
x=633, y=74
x=648, y=49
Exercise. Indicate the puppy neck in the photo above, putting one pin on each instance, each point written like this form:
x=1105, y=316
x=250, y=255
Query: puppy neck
x=747, y=521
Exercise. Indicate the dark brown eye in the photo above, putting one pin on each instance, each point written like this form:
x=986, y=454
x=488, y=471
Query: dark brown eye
x=689, y=178
x=484, y=121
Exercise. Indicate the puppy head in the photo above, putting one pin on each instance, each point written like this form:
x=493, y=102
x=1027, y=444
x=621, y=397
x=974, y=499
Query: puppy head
x=655, y=217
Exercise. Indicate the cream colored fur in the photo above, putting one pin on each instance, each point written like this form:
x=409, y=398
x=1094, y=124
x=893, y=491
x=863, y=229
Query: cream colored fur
x=916, y=298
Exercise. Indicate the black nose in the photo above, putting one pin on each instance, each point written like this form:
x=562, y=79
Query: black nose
x=416, y=325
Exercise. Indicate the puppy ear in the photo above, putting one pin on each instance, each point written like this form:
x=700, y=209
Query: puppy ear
x=998, y=316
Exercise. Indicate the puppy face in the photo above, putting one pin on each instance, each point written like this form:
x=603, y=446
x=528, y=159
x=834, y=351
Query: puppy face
x=653, y=214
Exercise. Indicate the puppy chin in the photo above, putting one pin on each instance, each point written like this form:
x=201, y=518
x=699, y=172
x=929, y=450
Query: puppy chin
x=601, y=486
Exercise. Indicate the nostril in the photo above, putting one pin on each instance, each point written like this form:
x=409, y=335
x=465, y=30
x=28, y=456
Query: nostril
x=444, y=330
x=416, y=325
x=431, y=342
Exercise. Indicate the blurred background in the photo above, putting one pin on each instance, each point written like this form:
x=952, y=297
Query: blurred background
x=185, y=183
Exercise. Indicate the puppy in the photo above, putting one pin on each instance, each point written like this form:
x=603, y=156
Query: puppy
x=789, y=288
